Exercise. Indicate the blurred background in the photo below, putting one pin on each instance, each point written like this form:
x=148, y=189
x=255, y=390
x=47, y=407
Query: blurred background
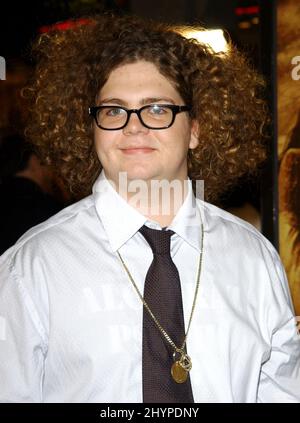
x=266, y=31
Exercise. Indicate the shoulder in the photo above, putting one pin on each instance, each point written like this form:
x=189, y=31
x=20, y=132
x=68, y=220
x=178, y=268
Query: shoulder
x=56, y=230
x=230, y=223
x=240, y=249
x=235, y=235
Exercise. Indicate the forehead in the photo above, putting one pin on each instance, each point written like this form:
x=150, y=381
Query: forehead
x=136, y=79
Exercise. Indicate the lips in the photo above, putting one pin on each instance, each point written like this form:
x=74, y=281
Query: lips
x=137, y=149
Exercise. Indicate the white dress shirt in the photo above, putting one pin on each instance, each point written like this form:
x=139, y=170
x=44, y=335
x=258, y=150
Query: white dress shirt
x=71, y=321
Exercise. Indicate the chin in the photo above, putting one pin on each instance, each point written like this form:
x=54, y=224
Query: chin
x=139, y=172
x=144, y=176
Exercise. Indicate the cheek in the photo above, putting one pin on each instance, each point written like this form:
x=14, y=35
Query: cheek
x=179, y=139
x=103, y=142
x=102, y=151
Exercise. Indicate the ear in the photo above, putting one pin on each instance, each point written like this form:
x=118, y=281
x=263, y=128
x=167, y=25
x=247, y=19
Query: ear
x=194, y=141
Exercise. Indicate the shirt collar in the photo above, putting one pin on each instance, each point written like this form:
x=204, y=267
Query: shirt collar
x=121, y=221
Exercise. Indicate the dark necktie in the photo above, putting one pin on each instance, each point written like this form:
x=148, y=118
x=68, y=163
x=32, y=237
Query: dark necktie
x=162, y=293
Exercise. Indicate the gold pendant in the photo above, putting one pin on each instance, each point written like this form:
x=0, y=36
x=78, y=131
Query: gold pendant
x=180, y=368
x=179, y=374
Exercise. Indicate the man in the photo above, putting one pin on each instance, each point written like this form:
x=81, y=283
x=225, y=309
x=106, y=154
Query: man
x=25, y=190
x=115, y=299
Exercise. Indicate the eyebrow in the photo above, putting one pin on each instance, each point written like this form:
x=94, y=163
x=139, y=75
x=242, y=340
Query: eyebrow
x=142, y=102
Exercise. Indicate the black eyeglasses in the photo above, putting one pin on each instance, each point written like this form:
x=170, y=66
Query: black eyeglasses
x=153, y=116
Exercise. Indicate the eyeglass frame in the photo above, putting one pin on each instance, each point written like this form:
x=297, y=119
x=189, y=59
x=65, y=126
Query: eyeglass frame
x=174, y=108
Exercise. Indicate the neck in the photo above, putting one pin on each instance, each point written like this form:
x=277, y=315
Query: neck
x=158, y=200
x=163, y=220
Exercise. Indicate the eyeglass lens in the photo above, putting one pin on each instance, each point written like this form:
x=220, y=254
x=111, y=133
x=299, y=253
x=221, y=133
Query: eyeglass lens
x=155, y=116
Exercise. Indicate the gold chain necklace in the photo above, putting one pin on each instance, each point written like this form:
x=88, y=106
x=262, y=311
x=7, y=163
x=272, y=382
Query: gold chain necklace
x=183, y=365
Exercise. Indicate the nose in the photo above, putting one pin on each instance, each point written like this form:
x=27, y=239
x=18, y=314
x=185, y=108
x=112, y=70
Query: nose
x=134, y=125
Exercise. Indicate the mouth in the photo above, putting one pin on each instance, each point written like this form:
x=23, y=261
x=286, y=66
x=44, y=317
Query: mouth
x=137, y=150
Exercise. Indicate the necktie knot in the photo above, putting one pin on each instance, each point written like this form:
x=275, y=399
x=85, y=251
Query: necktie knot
x=159, y=241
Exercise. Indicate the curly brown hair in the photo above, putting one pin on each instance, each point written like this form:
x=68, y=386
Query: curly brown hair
x=225, y=93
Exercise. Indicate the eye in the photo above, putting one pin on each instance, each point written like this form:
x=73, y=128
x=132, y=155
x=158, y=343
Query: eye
x=156, y=109
x=114, y=111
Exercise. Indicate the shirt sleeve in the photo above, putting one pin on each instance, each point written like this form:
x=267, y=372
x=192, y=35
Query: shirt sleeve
x=280, y=374
x=22, y=339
